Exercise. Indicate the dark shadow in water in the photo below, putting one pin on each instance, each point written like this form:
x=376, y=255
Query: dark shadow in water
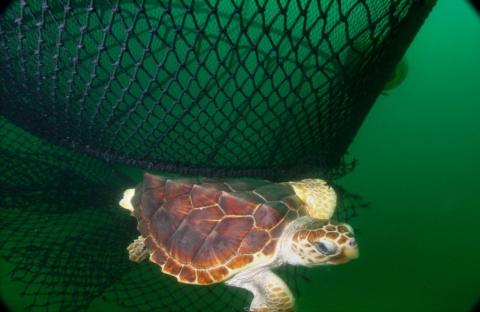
x=4, y=5
x=476, y=5
x=3, y=306
x=476, y=308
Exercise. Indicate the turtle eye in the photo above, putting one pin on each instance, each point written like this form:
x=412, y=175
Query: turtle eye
x=326, y=248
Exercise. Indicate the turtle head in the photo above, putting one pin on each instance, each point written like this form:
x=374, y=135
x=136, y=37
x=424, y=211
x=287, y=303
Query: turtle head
x=323, y=243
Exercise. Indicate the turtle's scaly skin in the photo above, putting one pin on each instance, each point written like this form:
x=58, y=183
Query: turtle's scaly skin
x=204, y=231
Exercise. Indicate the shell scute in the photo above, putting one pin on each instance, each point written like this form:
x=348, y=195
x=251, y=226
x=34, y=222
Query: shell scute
x=266, y=217
x=188, y=274
x=203, y=197
x=205, y=256
x=249, y=196
x=231, y=232
x=142, y=227
x=184, y=243
x=150, y=244
x=178, y=208
x=240, y=261
x=151, y=201
x=273, y=191
x=203, y=277
x=280, y=207
x=233, y=205
x=204, y=220
x=293, y=202
x=270, y=248
x=161, y=226
x=278, y=230
x=172, y=267
x=159, y=257
x=215, y=184
x=153, y=182
x=218, y=274
x=254, y=241
x=167, y=219
x=193, y=232
x=291, y=215
x=175, y=188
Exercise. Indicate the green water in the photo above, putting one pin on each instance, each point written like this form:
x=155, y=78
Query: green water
x=419, y=152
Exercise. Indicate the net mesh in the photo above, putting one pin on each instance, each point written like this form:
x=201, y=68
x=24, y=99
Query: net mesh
x=55, y=215
x=219, y=88
x=258, y=88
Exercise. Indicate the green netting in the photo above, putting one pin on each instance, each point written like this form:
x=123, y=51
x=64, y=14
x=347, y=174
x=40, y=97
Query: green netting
x=54, y=213
x=250, y=87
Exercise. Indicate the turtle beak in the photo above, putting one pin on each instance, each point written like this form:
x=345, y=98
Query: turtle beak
x=351, y=250
x=350, y=253
x=346, y=255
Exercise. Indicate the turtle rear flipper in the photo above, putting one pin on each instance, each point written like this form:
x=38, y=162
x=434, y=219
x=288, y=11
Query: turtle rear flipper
x=137, y=251
x=126, y=201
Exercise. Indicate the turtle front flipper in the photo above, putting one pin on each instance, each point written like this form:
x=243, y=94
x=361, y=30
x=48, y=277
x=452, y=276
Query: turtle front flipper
x=137, y=251
x=270, y=293
x=320, y=198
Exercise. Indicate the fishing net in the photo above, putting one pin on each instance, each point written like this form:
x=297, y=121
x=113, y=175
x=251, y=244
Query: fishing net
x=273, y=89
x=247, y=87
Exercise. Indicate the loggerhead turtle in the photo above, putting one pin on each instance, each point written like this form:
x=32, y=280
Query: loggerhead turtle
x=205, y=231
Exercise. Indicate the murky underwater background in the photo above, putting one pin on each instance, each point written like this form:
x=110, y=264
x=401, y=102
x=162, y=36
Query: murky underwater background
x=419, y=153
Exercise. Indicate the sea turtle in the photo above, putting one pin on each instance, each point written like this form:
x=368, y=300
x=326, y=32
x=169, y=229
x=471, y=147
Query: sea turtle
x=205, y=231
